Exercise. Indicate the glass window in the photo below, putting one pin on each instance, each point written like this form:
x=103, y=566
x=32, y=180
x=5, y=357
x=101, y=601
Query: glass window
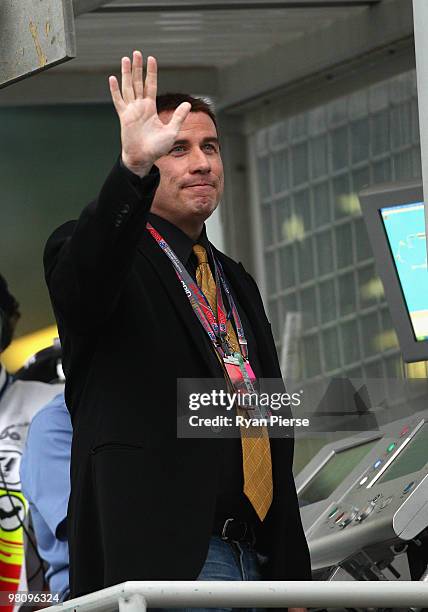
x=267, y=224
x=331, y=352
x=327, y=300
x=350, y=346
x=270, y=265
x=273, y=309
x=370, y=288
x=309, y=307
x=317, y=256
x=382, y=171
x=280, y=171
x=360, y=138
x=305, y=258
x=283, y=214
x=339, y=148
x=286, y=266
x=289, y=303
x=341, y=193
x=319, y=156
x=264, y=179
x=322, y=204
x=344, y=246
x=369, y=326
x=324, y=250
x=362, y=243
x=302, y=207
x=379, y=137
x=402, y=121
x=347, y=293
x=311, y=352
x=300, y=163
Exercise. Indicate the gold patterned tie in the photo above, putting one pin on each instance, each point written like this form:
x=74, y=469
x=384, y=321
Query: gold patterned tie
x=256, y=456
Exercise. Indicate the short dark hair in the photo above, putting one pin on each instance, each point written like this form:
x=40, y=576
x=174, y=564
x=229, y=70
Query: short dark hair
x=170, y=101
x=10, y=307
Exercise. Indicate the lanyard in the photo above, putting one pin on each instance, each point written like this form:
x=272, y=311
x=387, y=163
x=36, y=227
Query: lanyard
x=219, y=276
x=215, y=328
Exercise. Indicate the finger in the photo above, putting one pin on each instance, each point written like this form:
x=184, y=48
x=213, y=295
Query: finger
x=180, y=115
x=127, y=89
x=151, y=84
x=115, y=94
x=137, y=74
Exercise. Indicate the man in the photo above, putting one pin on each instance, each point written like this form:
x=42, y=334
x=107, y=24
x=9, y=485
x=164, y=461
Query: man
x=144, y=504
x=45, y=477
x=22, y=568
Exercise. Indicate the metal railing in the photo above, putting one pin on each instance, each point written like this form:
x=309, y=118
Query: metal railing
x=137, y=596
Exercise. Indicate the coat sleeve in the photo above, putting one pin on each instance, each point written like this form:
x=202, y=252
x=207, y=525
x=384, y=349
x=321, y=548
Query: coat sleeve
x=87, y=261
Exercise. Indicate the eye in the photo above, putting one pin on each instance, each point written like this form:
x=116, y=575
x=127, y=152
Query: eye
x=210, y=146
x=177, y=148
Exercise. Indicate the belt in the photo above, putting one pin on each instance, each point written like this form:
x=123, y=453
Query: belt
x=233, y=530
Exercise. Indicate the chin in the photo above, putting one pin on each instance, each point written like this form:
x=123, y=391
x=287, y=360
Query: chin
x=204, y=207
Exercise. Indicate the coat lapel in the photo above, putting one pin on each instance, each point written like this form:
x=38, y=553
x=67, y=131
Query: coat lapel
x=167, y=276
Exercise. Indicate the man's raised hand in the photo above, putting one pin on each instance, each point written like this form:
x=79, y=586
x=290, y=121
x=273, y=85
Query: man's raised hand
x=144, y=136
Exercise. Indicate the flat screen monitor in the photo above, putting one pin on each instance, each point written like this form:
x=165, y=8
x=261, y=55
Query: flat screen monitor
x=334, y=471
x=395, y=220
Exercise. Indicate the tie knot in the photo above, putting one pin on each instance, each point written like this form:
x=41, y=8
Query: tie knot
x=200, y=253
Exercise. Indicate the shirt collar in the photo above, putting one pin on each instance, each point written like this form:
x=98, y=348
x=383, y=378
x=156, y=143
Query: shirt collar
x=179, y=242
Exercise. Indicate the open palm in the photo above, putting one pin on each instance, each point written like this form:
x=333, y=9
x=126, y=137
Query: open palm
x=144, y=136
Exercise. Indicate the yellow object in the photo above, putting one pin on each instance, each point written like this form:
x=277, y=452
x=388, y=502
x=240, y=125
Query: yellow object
x=25, y=347
x=256, y=455
x=418, y=369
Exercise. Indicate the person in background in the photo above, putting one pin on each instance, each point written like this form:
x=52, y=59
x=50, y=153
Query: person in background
x=22, y=568
x=45, y=477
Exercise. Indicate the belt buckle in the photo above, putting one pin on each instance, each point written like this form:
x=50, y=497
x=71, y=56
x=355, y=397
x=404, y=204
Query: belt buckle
x=225, y=537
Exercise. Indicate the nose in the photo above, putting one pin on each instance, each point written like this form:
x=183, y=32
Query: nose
x=199, y=161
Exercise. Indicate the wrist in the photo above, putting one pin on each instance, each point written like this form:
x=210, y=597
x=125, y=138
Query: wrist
x=140, y=169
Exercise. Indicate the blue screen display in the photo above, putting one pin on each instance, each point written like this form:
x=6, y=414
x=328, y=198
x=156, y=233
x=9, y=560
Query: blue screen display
x=405, y=228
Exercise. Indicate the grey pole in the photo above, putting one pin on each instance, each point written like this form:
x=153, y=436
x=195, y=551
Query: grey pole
x=264, y=594
x=133, y=603
x=420, y=20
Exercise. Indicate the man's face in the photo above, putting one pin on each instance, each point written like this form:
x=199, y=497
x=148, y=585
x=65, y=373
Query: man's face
x=191, y=174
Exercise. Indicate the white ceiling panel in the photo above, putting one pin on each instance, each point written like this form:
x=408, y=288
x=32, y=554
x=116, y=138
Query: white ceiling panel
x=198, y=33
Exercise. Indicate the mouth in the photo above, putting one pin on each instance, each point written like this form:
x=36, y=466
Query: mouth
x=199, y=185
x=203, y=189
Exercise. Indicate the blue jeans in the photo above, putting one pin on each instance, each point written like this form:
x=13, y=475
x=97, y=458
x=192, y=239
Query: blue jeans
x=228, y=561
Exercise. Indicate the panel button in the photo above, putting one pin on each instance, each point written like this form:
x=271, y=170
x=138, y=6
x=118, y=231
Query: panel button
x=365, y=513
x=340, y=517
x=408, y=487
x=385, y=502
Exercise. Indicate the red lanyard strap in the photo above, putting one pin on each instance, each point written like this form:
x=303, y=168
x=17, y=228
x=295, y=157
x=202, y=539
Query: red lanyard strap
x=216, y=328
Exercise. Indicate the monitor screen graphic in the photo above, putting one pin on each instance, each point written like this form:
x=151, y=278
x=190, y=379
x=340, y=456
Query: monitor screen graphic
x=405, y=229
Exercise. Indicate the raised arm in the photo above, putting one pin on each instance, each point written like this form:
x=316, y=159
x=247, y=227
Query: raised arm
x=87, y=262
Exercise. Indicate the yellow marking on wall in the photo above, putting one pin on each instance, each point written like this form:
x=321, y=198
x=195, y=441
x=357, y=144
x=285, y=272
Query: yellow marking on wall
x=34, y=33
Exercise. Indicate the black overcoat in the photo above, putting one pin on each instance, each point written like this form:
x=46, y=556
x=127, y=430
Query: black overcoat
x=142, y=501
